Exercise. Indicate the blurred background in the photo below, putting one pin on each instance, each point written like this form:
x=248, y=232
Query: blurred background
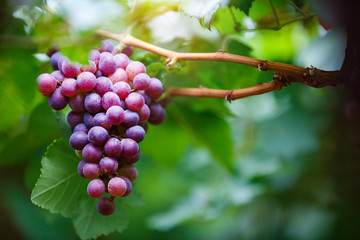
x=283, y=165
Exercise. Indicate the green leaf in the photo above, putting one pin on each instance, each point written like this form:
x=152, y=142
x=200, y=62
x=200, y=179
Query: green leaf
x=89, y=223
x=210, y=130
x=239, y=48
x=155, y=69
x=63, y=124
x=59, y=187
x=243, y=5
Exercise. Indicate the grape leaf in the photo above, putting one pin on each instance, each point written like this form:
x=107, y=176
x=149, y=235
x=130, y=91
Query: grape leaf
x=89, y=223
x=243, y=5
x=59, y=187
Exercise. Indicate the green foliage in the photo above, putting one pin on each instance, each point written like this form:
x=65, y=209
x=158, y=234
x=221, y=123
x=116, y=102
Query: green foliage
x=243, y=5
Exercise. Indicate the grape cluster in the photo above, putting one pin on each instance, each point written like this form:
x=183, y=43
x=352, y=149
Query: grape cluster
x=111, y=100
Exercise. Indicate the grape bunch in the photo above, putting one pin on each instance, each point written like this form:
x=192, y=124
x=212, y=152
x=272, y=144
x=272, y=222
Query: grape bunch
x=111, y=100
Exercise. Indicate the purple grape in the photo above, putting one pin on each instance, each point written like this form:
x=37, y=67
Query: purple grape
x=107, y=64
x=81, y=127
x=94, y=55
x=76, y=103
x=134, y=68
x=118, y=76
x=61, y=61
x=141, y=81
x=144, y=113
x=136, y=133
x=81, y=168
x=121, y=60
x=100, y=119
x=155, y=88
x=93, y=103
x=134, y=101
x=75, y=118
x=122, y=104
x=96, y=188
x=128, y=186
x=130, y=118
x=106, y=46
x=128, y=171
x=69, y=87
x=46, y=84
x=128, y=50
x=58, y=75
x=122, y=89
x=70, y=69
x=92, y=153
x=86, y=81
x=57, y=100
x=98, y=135
x=113, y=147
x=145, y=96
x=103, y=86
x=54, y=60
x=108, y=165
x=110, y=99
x=130, y=148
x=91, y=170
x=115, y=115
x=98, y=74
x=117, y=187
x=89, y=120
x=131, y=160
x=106, y=206
x=91, y=67
x=78, y=140
x=159, y=119
x=155, y=111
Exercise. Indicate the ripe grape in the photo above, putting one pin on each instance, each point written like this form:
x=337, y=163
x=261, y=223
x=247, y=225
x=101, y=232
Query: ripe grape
x=135, y=68
x=89, y=120
x=128, y=50
x=69, y=87
x=58, y=75
x=131, y=160
x=155, y=111
x=155, y=88
x=110, y=99
x=128, y=186
x=76, y=103
x=118, y=76
x=81, y=127
x=144, y=113
x=94, y=55
x=54, y=60
x=92, y=153
x=98, y=135
x=96, y=188
x=91, y=67
x=134, y=101
x=93, y=103
x=108, y=165
x=129, y=171
x=81, y=168
x=113, y=147
x=106, y=46
x=46, y=83
x=107, y=64
x=130, y=118
x=130, y=147
x=160, y=119
x=86, y=81
x=121, y=60
x=115, y=115
x=74, y=118
x=117, y=187
x=91, y=170
x=136, y=133
x=57, y=100
x=70, y=69
x=141, y=81
x=78, y=140
x=103, y=86
x=106, y=206
x=100, y=119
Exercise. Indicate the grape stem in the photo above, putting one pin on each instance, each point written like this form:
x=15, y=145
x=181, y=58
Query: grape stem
x=285, y=74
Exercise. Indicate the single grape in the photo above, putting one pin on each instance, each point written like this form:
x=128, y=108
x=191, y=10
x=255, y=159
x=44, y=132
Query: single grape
x=113, y=147
x=121, y=60
x=69, y=87
x=106, y=206
x=86, y=81
x=91, y=170
x=155, y=88
x=81, y=168
x=81, y=127
x=110, y=99
x=57, y=100
x=115, y=115
x=155, y=111
x=108, y=165
x=129, y=171
x=75, y=118
x=128, y=50
x=130, y=147
x=103, y=86
x=58, y=75
x=70, y=69
x=144, y=113
x=122, y=89
x=128, y=186
x=134, y=101
x=131, y=160
x=54, y=60
x=136, y=133
x=100, y=119
x=116, y=187
x=118, y=76
x=91, y=67
x=106, y=46
x=145, y=96
x=78, y=140
x=160, y=119
x=93, y=103
x=130, y=118
x=96, y=188
x=61, y=61
x=135, y=68
x=107, y=64
x=89, y=120
x=76, y=103
x=98, y=135
x=141, y=81
x=46, y=84
x=94, y=55
x=92, y=153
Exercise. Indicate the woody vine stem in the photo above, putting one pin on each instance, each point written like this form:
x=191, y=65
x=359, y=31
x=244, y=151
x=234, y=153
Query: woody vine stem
x=285, y=74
